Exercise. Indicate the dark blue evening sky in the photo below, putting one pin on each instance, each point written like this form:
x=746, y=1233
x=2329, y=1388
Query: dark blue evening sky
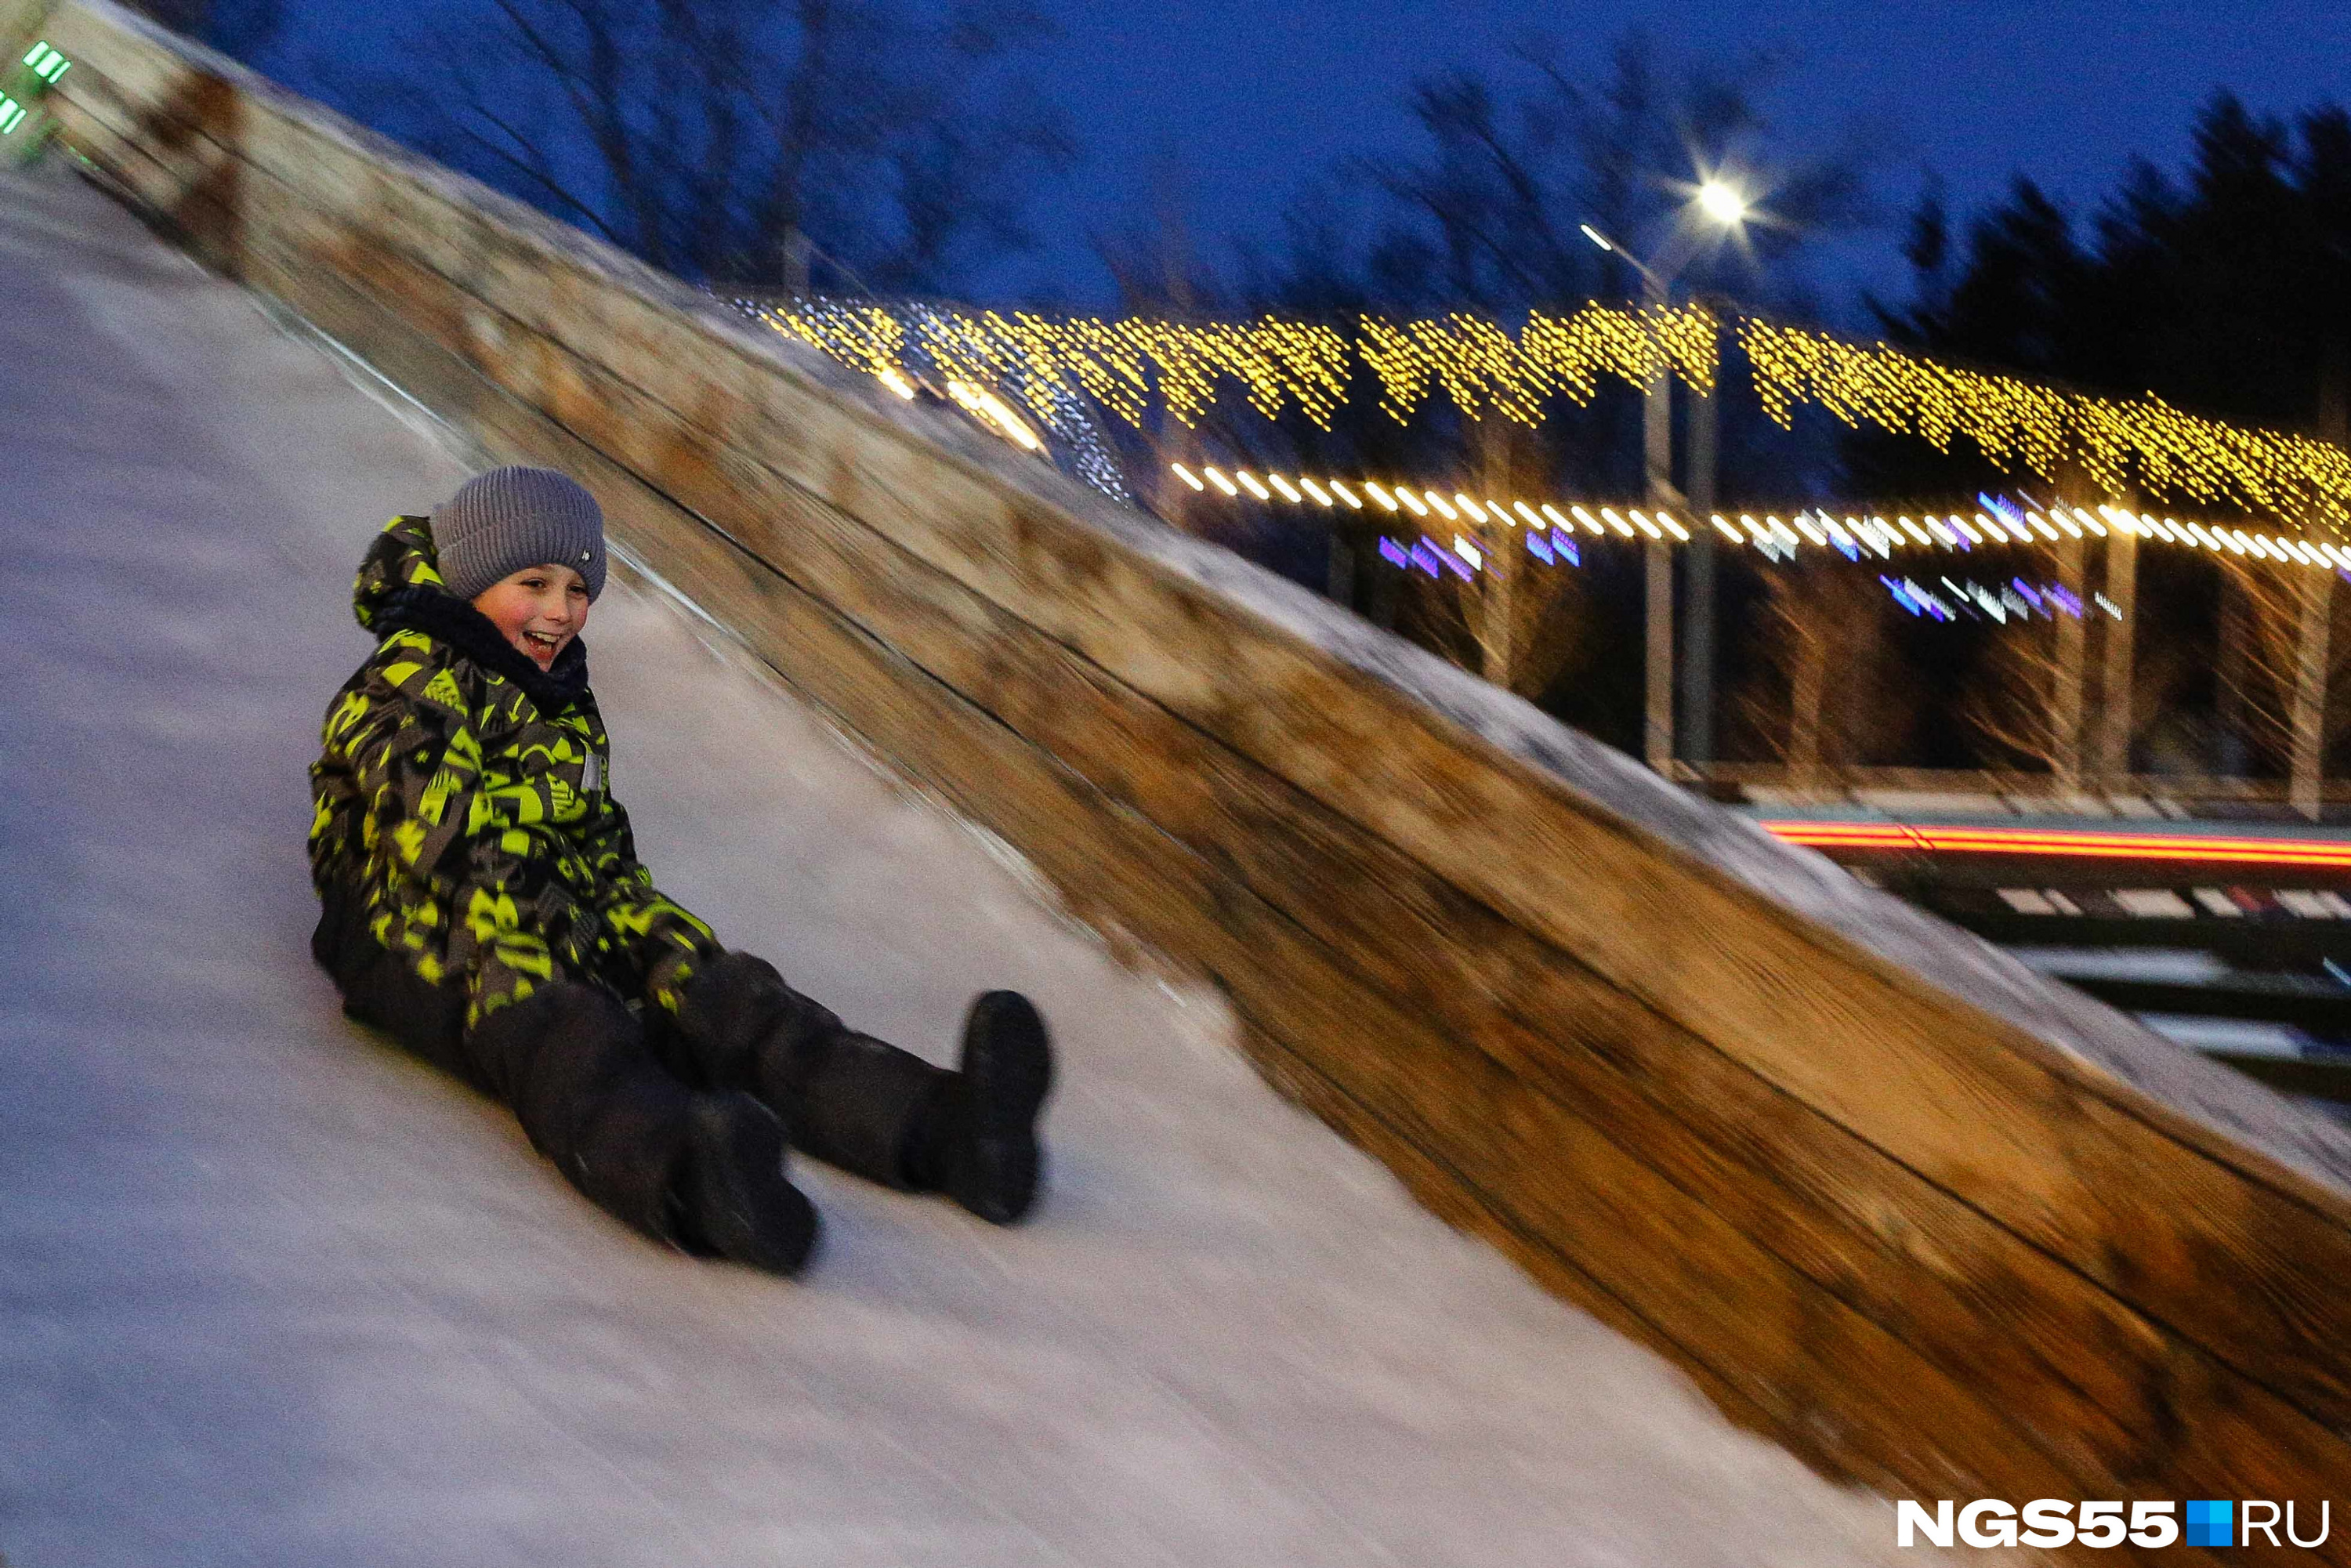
x=1252, y=95
x=1257, y=91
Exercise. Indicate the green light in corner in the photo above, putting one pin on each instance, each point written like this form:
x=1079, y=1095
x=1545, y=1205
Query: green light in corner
x=12, y=115
x=46, y=63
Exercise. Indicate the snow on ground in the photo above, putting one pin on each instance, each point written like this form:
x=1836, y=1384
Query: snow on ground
x=272, y=1293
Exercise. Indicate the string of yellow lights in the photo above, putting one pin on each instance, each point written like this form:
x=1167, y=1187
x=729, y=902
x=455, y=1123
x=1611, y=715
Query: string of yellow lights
x=1278, y=364
x=2113, y=442
x=1129, y=366
x=1851, y=535
x=1481, y=367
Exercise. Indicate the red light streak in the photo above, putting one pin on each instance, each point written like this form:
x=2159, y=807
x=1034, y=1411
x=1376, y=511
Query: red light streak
x=2088, y=845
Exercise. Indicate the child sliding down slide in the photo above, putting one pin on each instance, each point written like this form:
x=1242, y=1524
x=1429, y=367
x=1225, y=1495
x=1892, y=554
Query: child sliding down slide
x=484, y=904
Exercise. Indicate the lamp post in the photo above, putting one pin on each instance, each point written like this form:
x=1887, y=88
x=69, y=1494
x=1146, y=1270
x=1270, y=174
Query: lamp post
x=1722, y=205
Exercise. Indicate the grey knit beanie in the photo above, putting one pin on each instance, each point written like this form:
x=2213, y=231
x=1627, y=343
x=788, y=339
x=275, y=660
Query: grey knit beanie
x=502, y=521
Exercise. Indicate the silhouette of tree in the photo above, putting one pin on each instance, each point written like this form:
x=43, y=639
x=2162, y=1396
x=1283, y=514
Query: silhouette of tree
x=2223, y=292
x=2288, y=659
x=2220, y=290
x=2027, y=696
x=887, y=144
x=1813, y=695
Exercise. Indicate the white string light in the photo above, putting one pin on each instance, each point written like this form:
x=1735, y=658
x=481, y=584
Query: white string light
x=1849, y=536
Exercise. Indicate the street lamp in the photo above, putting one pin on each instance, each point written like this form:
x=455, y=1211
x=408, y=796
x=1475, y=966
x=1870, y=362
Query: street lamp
x=1721, y=204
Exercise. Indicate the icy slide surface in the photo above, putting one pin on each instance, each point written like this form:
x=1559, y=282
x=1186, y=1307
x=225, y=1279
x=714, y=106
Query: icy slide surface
x=272, y=1293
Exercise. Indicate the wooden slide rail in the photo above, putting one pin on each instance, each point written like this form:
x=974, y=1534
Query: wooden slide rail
x=1862, y=1181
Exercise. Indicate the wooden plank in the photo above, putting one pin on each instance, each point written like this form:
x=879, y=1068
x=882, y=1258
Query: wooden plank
x=19, y=21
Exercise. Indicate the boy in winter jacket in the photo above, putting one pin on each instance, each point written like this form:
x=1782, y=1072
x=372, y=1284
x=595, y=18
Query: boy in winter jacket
x=483, y=902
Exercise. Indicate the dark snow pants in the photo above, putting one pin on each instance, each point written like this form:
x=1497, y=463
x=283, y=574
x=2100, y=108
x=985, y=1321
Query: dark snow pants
x=603, y=1094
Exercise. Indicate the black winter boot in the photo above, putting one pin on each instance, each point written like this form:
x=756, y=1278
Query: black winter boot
x=978, y=1143
x=865, y=1104
x=705, y=1172
x=731, y=1196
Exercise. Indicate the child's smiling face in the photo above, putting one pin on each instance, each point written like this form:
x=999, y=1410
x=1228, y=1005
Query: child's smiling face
x=539, y=609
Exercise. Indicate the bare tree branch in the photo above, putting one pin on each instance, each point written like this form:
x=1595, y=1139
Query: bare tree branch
x=539, y=177
x=712, y=136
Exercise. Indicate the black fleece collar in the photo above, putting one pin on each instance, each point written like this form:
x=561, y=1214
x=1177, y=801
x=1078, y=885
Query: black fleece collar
x=442, y=616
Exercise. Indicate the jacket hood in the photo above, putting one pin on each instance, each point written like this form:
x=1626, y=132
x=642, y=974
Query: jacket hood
x=399, y=587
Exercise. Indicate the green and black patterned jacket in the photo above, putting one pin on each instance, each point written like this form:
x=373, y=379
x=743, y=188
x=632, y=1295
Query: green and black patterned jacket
x=462, y=804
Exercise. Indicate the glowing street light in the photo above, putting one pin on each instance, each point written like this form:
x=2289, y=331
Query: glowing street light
x=1721, y=203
